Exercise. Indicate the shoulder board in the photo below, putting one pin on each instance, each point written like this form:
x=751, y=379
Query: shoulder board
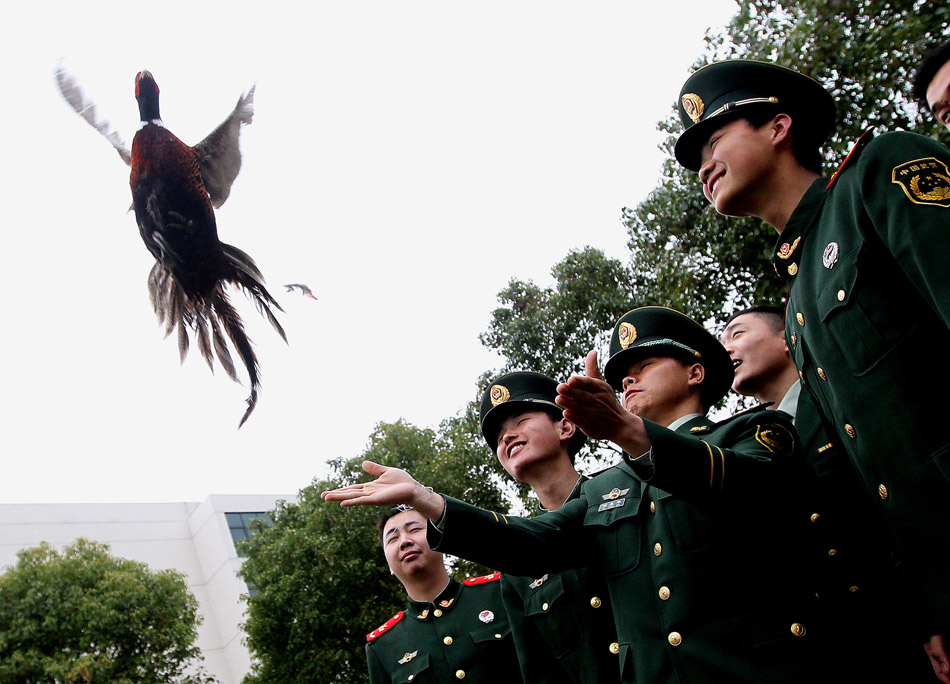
x=386, y=626
x=853, y=155
x=472, y=581
x=602, y=471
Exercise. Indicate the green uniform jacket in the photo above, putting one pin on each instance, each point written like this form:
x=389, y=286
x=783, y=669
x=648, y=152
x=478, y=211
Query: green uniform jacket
x=855, y=576
x=698, y=553
x=463, y=634
x=866, y=257
x=562, y=625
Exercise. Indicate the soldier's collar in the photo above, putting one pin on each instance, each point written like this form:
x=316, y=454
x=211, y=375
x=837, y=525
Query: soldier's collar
x=444, y=602
x=575, y=492
x=853, y=155
x=691, y=420
x=788, y=249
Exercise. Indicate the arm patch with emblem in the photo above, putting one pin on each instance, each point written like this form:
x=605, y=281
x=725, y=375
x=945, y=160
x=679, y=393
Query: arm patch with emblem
x=924, y=181
x=776, y=438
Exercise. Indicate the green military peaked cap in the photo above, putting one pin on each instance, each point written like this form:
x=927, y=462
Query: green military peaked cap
x=658, y=331
x=722, y=88
x=520, y=391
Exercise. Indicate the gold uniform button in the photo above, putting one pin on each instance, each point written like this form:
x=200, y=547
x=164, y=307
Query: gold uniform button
x=815, y=517
x=595, y=602
x=821, y=373
x=854, y=588
x=652, y=507
x=497, y=636
x=841, y=295
x=800, y=318
x=798, y=629
x=675, y=638
x=657, y=549
x=544, y=606
x=615, y=648
x=882, y=491
x=664, y=593
x=832, y=552
x=411, y=677
x=792, y=269
x=447, y=641
x=849, y=428
x=437, y=612
x=460, y=674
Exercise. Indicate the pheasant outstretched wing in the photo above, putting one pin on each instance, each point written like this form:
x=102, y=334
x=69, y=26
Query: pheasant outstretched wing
x=219, y=154
x=72, y=93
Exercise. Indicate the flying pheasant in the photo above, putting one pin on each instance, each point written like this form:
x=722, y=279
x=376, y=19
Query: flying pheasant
x=175, y=189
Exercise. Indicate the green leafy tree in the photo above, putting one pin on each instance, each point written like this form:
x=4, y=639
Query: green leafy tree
x=551, y=329
x=321, y=581
x=83, y=615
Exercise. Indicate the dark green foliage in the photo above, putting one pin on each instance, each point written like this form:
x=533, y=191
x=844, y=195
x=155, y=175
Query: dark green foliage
x=550, y=330
x=83, y=615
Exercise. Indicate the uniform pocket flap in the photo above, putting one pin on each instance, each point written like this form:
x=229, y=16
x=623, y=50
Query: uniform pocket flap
x=543, y=599
x=491, y=632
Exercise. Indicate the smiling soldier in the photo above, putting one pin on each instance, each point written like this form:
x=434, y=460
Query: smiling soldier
x=562, y=623
x=865, y=256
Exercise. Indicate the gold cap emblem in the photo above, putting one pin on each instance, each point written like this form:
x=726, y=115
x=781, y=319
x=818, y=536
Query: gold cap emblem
x=627, y=334
x=694, y=107
x=499, y=394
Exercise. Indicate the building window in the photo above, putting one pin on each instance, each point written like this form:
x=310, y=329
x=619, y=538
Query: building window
x=239, y=523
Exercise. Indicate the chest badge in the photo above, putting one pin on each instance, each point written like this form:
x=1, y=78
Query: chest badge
x=409, y=656
x=924, y=181
x=538, y=582
x=830, y=256
x=615, y=493
x=486, y=616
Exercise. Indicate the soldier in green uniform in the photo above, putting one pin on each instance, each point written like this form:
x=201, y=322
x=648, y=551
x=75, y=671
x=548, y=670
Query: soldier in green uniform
x=691, y=529
x=865, y=255
x=562, y=624
x=450, y=630
x=854, y=576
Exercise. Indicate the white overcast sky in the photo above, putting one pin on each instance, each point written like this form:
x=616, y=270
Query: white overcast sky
x=406, y=160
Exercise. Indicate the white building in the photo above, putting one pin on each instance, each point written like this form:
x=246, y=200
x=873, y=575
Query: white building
x=194, y=538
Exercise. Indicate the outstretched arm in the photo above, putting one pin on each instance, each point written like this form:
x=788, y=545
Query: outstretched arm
x=392, y=486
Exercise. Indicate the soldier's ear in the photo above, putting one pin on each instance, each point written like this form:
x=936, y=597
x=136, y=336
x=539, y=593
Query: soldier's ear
x=696, y=373
x=566, y=429
x=781, y=127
